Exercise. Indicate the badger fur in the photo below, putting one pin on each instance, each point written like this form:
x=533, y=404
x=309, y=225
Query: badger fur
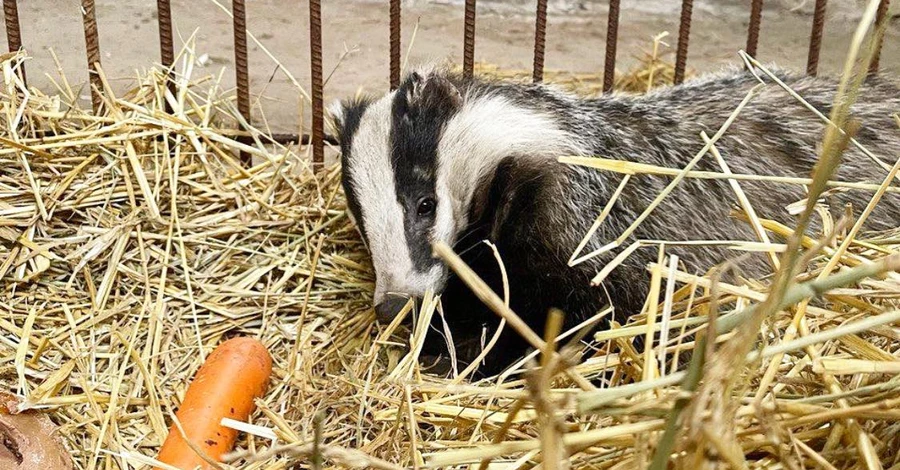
x=458, y=160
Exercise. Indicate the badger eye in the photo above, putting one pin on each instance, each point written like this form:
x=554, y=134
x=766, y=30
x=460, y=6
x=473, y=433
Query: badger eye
x=426, y=207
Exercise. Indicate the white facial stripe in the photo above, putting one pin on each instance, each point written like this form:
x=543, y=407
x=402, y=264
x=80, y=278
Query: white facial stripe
x=373, y=183
x=383, y=217
x=486, y=130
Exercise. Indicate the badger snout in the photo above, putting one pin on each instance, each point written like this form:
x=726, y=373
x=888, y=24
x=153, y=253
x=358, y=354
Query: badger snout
x=394, y=288
x=390, y=306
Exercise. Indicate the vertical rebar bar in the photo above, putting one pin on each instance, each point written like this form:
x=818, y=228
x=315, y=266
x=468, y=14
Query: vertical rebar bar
x=166, y=42
x=315, y=54
x=753, y=30
x=880, y=18
x=684, y=34
x=242, y=74
x=469, y=40
x=395, y=44
x=540, y=36
x=612, y=39
x=13, y=32
x=815, y=39
x=92, y=44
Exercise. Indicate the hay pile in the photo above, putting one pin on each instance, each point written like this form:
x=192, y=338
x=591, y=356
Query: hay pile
x=653, y=68
x=133, y=243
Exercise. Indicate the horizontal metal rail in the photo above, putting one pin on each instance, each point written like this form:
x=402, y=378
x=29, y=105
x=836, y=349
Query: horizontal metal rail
x=287, y=139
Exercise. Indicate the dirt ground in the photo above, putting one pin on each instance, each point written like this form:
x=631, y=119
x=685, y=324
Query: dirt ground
x=505, y=35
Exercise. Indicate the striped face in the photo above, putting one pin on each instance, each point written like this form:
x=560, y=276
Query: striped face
x=414, y=161
x=395, y=191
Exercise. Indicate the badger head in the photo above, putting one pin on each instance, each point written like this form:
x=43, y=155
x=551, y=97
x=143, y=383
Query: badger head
x=417, y=161
x=396, y=193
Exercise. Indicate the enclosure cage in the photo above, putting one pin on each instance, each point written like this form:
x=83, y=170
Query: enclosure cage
x=317, y=136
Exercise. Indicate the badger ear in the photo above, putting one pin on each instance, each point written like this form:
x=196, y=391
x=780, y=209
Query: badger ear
x=337, y=115
x=429, y=89
x=344, y=116
x=440, y=88
x=415, y=87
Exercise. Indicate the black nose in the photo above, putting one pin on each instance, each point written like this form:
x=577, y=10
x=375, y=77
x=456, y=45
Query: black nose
x=390, y=307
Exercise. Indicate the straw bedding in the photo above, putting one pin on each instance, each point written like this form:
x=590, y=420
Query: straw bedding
x=132, y=242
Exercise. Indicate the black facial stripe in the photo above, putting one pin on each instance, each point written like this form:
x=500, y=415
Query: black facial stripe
x=416, y=128
x=353, y=112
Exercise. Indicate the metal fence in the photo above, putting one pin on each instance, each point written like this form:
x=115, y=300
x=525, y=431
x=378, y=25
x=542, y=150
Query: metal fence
x=317, y=136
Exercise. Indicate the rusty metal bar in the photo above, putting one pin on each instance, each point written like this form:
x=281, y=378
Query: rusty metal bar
x=880, y=18
x=92, y=44
x=815, y=39
x=540, y=37
x=13, y=33
x=239, y=14
x=612, y=39
x=318, y=109
x=469, y=40
x=243, y=137
x=684, y=33
x=395, y=44
x=753, y=30
x=288, y=138
x=166, y=43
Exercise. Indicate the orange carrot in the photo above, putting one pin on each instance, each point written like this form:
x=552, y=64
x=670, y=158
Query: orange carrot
x=233, y=376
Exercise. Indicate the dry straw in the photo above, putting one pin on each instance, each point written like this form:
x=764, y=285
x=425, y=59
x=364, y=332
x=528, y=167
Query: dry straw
x=133, y=242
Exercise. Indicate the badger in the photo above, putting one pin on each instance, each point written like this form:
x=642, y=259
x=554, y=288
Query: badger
x=465, y=160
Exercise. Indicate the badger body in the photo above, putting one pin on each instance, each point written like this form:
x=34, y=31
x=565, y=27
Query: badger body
x=461, y=161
